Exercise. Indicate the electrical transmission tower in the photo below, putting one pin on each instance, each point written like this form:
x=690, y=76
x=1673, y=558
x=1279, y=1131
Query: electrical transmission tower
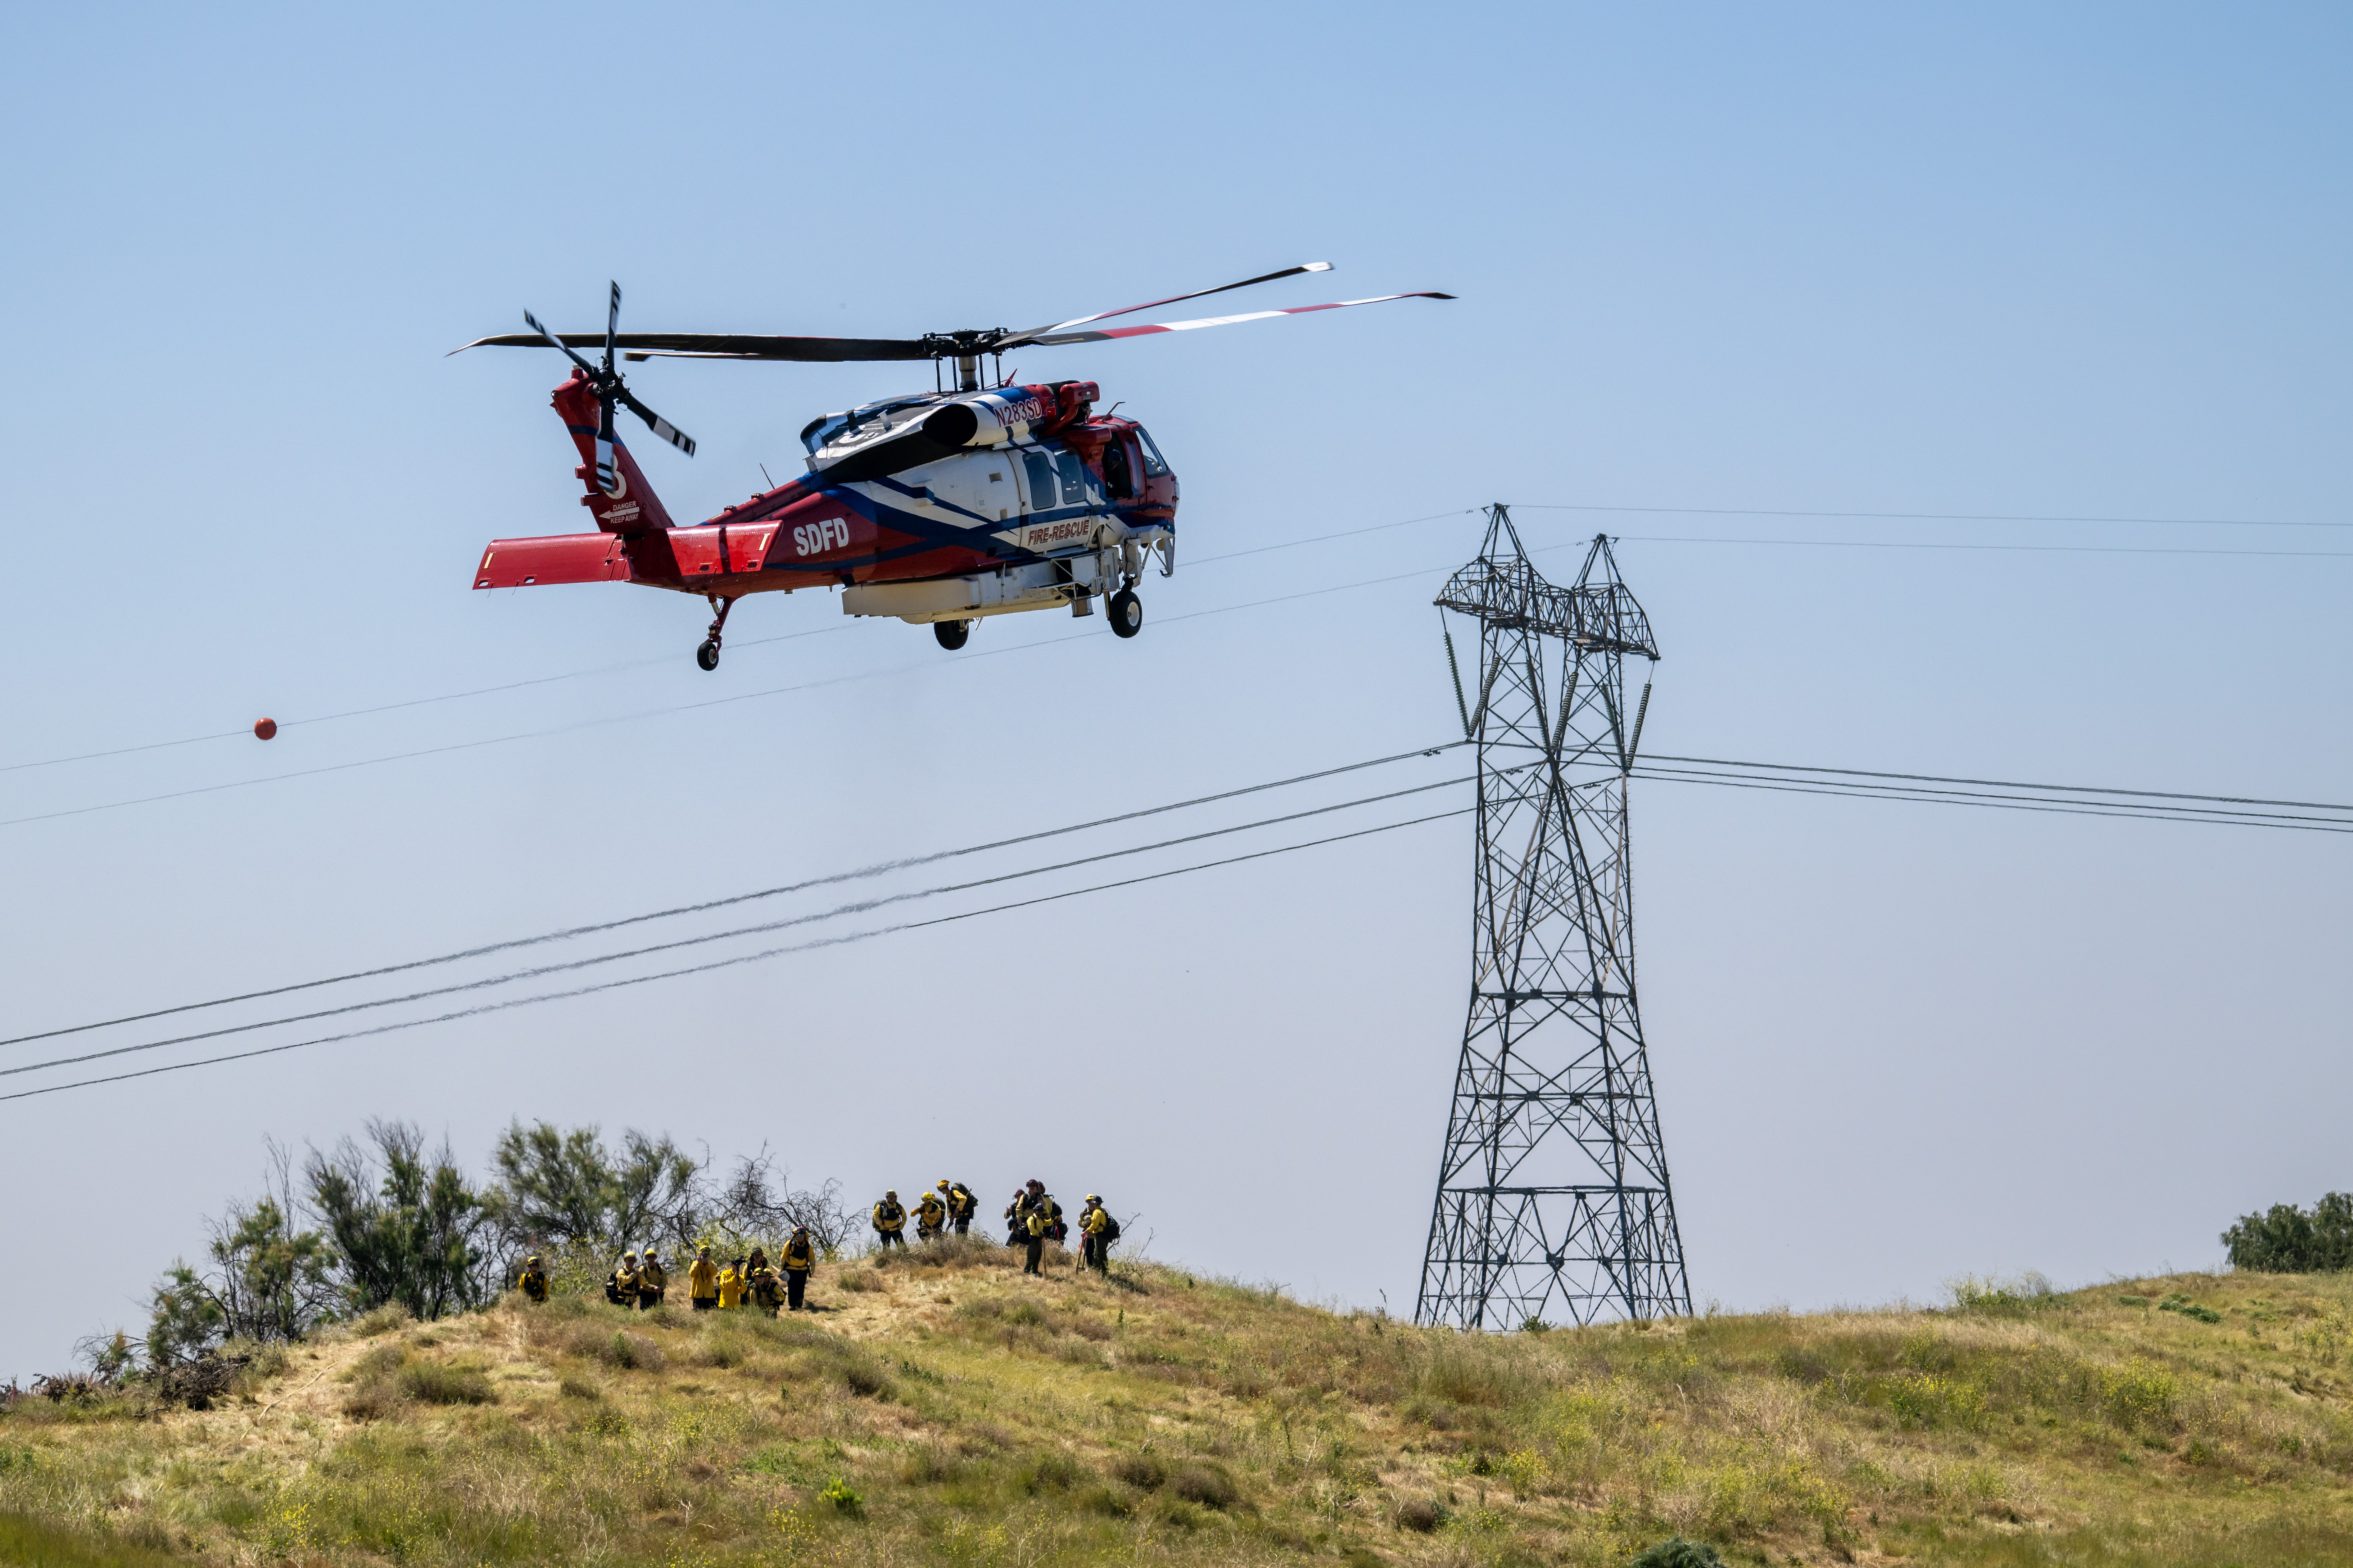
x=1552, y=1197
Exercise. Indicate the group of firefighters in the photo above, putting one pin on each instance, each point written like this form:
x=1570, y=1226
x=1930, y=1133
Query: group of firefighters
x=1033, y=1218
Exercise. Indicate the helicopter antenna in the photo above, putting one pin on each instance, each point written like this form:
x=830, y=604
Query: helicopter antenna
x=765, y=474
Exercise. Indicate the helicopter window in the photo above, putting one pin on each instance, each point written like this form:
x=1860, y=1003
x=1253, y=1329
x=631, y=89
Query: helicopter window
x=1074, y=479
x=1042, y=479
x=1154, y=464
x=1117, y=477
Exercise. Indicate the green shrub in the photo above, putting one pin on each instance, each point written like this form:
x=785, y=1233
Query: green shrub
x=1206, y=1484
x=579, y=1388
x=374, y=1401
x=383, y=1321
x=840, y=1493
x=2290, y=1240
x=1141, y=1470
x=1051, y=1471
x=1677, y=1553
x=1421, y=1515
x=631, y=1353
x=438, y=1383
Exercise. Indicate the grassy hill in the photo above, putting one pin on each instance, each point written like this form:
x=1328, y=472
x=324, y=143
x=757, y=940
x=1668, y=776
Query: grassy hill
x=941, y=1408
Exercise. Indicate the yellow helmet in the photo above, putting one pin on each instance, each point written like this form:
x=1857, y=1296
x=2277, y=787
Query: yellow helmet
x=1095, y=1197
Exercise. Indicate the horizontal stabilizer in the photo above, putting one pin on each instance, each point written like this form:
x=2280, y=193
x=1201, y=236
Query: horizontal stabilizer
x=556, y=558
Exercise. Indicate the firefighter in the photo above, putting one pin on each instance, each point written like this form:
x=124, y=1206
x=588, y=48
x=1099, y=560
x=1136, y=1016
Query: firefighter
x=891, y=1221
x=621, y=1284
x=765, y=1295
x=1033, y=1232
x=1098, y=1231
x=652, y=1281
x=1015, y=1233
x=533, y=1282
x=731, y=1286
x=931, y=1216
x=961, y=1205
x=1035, y=1196
x=800, y=1258
x=702, y=1281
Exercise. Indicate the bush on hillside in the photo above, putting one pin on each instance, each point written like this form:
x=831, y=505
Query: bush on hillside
x=1677, y=1553
x=270, y=1281
x=408, y=1225
x=2290, y=1240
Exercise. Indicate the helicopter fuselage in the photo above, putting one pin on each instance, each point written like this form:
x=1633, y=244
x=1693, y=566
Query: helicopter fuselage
x=934, y=507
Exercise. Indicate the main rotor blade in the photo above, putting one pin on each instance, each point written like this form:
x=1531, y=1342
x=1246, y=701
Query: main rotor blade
x=657, y=425
x=612, y=325
x=1109, y=332
x=538, y=335
x=1037, y=335
x=721, y=345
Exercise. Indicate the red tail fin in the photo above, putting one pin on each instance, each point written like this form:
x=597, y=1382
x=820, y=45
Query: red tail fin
x=637, y=510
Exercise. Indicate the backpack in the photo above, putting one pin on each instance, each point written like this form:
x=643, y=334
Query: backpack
x=1110, y=1229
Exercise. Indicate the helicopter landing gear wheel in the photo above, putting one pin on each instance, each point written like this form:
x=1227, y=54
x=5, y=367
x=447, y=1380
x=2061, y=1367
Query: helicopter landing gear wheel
x=952, y=635
x=1126, y=613
x=707, y=656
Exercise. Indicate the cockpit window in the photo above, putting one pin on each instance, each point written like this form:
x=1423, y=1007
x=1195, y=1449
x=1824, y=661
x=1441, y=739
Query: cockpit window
x=1154, y=463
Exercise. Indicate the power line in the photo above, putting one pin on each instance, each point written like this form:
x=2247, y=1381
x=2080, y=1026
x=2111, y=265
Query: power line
x=641, y=663
x=2009, y=783
x=1936, y=789
x=2015, y=803
x=864, y=906
x=730, y=963
x=708, y=702
x=2014, y=549
x=875, y=869
x=1261, y=550
x=1930, y=516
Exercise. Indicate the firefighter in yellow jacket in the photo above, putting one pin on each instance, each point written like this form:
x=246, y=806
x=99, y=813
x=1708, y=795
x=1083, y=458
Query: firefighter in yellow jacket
x=731, y=1286
x=931, y=1216
x=532, y=1282
x=621, y=1284
x=800, y=1258
x=702, y=1281
x=653, y=1280
x=1098, y=1231
x=890, y=1221
x=961, y=1205
x=762, y=1279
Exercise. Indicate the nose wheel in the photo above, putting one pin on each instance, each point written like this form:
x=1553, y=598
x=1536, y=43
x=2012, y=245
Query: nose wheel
x=1126, y=613
x=707, y=656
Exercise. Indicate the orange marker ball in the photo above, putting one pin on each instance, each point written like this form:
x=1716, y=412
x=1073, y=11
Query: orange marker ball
x=265, y=727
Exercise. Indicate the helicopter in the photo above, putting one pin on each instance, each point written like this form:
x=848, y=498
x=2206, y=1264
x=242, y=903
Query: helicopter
x=939, y=507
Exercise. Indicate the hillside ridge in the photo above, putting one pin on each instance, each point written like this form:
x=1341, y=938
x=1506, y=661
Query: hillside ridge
x=939, y=1408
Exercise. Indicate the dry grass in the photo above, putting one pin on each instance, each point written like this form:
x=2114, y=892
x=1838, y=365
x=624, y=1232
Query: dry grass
x=956, y=1412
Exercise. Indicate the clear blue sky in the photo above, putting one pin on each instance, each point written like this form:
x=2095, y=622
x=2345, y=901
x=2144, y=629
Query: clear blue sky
x=1990, y=259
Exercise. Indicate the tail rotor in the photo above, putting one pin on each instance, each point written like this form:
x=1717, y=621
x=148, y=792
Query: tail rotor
x=612, y=390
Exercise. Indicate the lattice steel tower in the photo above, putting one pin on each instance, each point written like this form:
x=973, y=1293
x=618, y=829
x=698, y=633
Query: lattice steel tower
x=1552, y=1197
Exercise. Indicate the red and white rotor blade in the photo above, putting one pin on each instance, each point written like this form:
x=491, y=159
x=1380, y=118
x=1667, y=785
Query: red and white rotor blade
x=1102, y=334
x=1038, y=334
